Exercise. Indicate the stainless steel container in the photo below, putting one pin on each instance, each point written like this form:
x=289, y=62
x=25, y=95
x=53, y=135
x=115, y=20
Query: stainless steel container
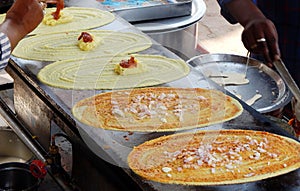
x=17, y=176
x=179, y=34
x=12, y=149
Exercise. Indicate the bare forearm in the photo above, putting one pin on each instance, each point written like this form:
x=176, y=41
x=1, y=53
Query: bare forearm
x=259, y=35
x=13, y=31
x=244, y=11
x=22, y=18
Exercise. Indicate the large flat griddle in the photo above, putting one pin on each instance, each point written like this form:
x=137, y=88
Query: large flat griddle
x=113, y=147
x=143, y=10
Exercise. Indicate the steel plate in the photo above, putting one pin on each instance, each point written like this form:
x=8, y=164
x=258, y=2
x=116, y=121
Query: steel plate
x=142, y=10
x=174, y=24
x=262, y=79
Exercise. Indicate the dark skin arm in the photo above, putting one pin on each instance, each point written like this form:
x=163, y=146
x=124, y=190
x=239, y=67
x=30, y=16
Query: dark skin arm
x=256, y=26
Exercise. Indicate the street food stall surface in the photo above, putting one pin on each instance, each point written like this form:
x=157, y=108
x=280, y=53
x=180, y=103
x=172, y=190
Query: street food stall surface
x=99, y=156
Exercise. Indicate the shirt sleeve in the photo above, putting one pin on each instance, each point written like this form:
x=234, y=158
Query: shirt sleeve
x=5, y=49
x=225, y=13
x=222, y=2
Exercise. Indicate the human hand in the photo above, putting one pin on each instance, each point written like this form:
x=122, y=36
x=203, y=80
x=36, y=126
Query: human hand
x=260, y=37
x=28, y=13
x=22, y=18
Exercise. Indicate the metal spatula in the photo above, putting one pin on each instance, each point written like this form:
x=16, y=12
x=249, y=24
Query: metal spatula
x=287, y=78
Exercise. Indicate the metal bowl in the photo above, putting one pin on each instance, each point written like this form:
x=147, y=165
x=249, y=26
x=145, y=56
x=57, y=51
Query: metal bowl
x=15, y=176
x=12, y=149
x=262, y=79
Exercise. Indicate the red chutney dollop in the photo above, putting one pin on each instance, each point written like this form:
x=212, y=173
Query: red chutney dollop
x=86, y=37
x=59, y=6
x=130, y=63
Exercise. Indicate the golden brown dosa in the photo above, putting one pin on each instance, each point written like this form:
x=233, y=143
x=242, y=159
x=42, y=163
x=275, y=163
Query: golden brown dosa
x=156, y=109
x=215, y=157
